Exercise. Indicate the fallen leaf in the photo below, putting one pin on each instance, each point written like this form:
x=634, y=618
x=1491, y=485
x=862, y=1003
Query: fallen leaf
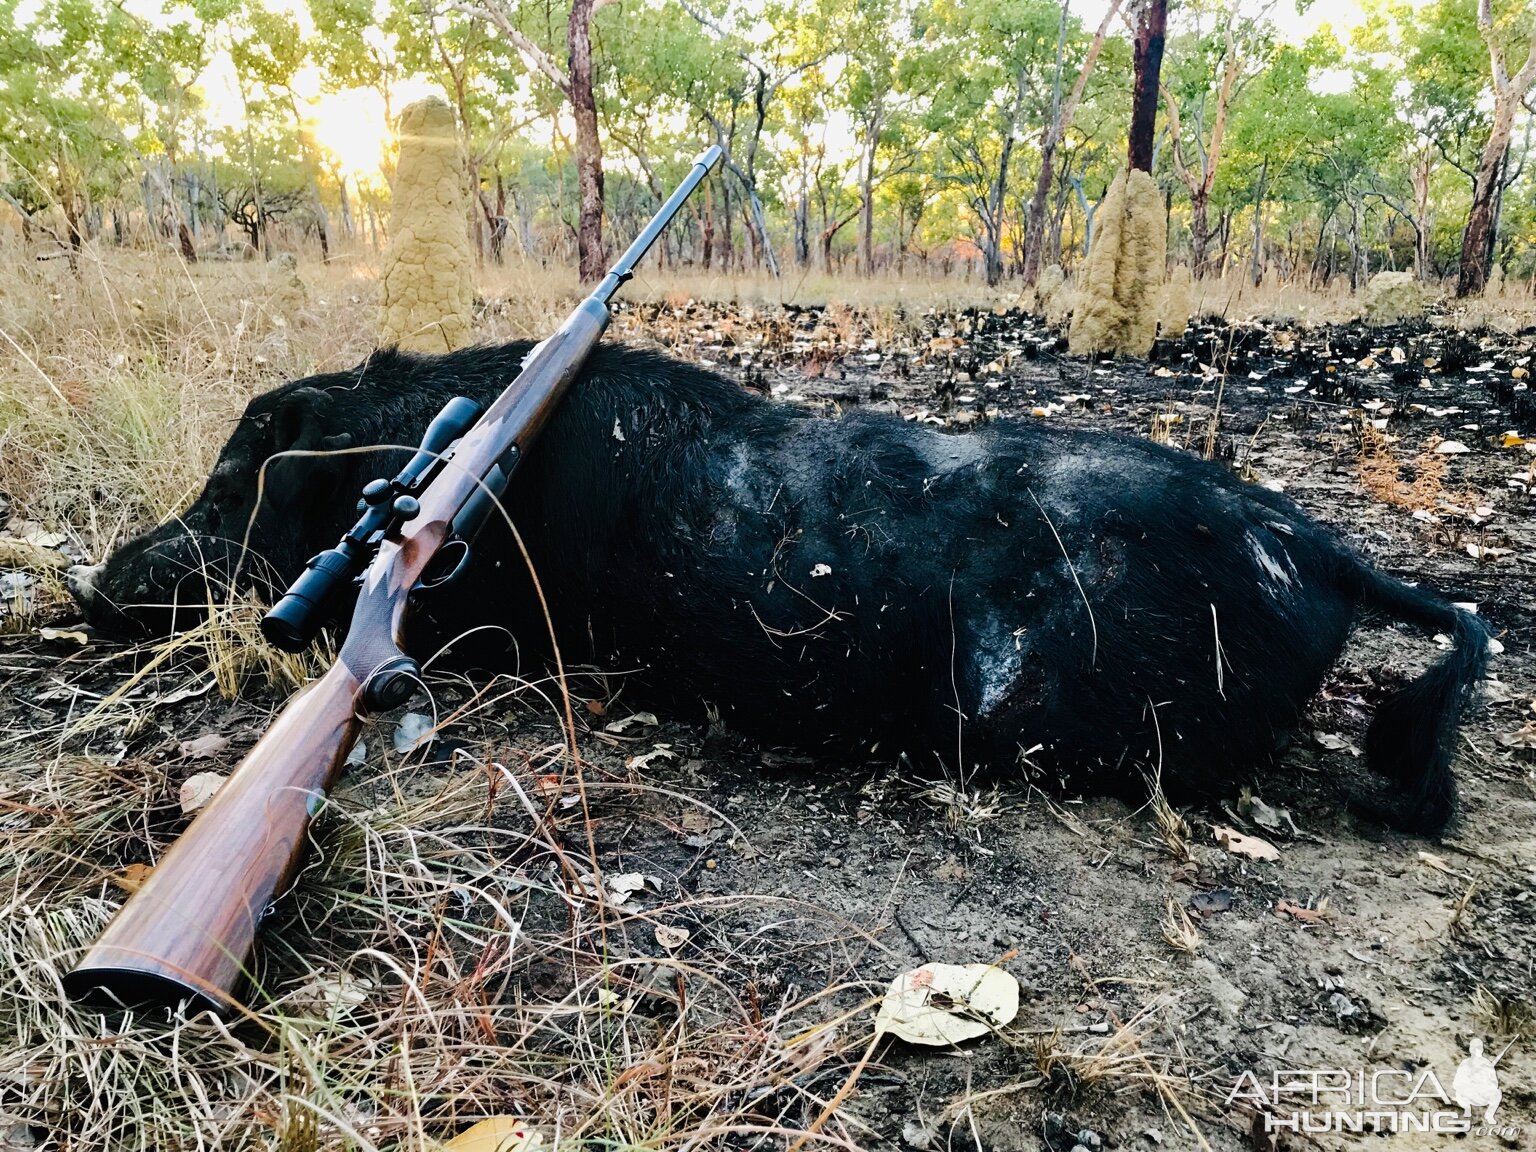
x=496, y=1134
x=1511, y=440
x=671, y=938
x=1296, y=911
x=1439, y=864
x=1209, y=903
x=597, y=708
x=64, y=634
x=1264, y=815
x=332, y=996
x=204, y=747
x=941, y=1004
x=645, y=759
x=608, y=998
x=1451, y=448
x=1250, y=846
x=647, y=719
x=412, y=731
x=131, y=878
x=1482, y=552
x=197, y=790
x=1335, y=743
x=821, y=570
x=1524, y=738
x=624, y=885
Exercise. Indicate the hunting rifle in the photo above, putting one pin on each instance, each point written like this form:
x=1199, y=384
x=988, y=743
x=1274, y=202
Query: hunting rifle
x=187, y=932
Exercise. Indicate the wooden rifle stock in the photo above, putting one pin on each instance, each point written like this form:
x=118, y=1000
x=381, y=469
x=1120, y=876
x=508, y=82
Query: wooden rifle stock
x=187, y=933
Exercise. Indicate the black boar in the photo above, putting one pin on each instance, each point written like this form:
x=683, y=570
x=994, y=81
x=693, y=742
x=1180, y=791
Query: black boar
x=1082, y=607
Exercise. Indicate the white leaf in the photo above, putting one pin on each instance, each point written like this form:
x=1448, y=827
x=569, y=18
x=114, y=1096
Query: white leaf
x=197, y=790
x=648, y=719
x=1253, y=847
x=822, y=570
x=412, y=731
x=204, y=747
x=1451, y=448
x=1336, y=743
x=671, y=938
x=940, y=1004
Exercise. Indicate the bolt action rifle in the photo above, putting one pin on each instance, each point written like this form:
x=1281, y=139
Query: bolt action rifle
x=187, y=933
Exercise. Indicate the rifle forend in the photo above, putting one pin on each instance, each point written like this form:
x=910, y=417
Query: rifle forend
x=187, y=933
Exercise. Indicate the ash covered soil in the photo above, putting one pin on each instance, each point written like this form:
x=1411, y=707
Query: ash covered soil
x=1357, y=948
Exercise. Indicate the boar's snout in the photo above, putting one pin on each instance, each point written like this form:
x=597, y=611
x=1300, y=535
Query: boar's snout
x=81, y=582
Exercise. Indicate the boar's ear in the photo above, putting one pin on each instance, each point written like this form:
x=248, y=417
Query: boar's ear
x=300, y=420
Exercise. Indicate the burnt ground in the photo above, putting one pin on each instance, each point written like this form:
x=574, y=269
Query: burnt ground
x=798, y=876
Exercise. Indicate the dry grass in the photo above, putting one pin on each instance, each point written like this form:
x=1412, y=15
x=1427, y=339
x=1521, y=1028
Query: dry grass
x=1381, y=473
x=434, y=965
x=1179, y=930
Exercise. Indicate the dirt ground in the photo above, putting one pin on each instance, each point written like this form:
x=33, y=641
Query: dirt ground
x=1358, y=949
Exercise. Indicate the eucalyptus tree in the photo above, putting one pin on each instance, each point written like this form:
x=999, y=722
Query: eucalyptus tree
x=988, y=70
x=767, y=49
x=1510, y=39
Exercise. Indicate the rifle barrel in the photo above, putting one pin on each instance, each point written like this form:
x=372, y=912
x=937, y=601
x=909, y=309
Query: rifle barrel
x=625, y=266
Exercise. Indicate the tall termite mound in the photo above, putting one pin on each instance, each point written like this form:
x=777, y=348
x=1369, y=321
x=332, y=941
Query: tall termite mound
x=427, y=291
x=1178, y=296
x=1120, y=288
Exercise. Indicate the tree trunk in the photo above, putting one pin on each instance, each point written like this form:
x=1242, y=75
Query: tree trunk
x=1151, y=30
x=709, y=224
x=992, y=218
x=1199, y=231
x=1258, y=224
x=1474, y=240
x=1061, y=120
x=867, y=199
x=589, y=149
x=803, y=227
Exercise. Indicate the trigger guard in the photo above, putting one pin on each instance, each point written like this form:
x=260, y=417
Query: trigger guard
x=432, y=579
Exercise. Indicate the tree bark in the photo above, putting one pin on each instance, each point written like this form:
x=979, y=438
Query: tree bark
x=992, y=216
x=1061, y=120
x=867, y=197
x=1151, y=31
x=1199, y=229
x=1473, y=273
x=589, y=149
x=1508, y=92
x=1258, y=224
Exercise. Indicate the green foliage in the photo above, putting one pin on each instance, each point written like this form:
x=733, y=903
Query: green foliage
x=930, y=111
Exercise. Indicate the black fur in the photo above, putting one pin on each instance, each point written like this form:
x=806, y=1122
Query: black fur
x=1079, y=606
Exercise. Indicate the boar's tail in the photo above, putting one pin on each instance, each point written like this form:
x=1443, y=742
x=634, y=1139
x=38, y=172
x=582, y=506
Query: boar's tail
x=1412, y=739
